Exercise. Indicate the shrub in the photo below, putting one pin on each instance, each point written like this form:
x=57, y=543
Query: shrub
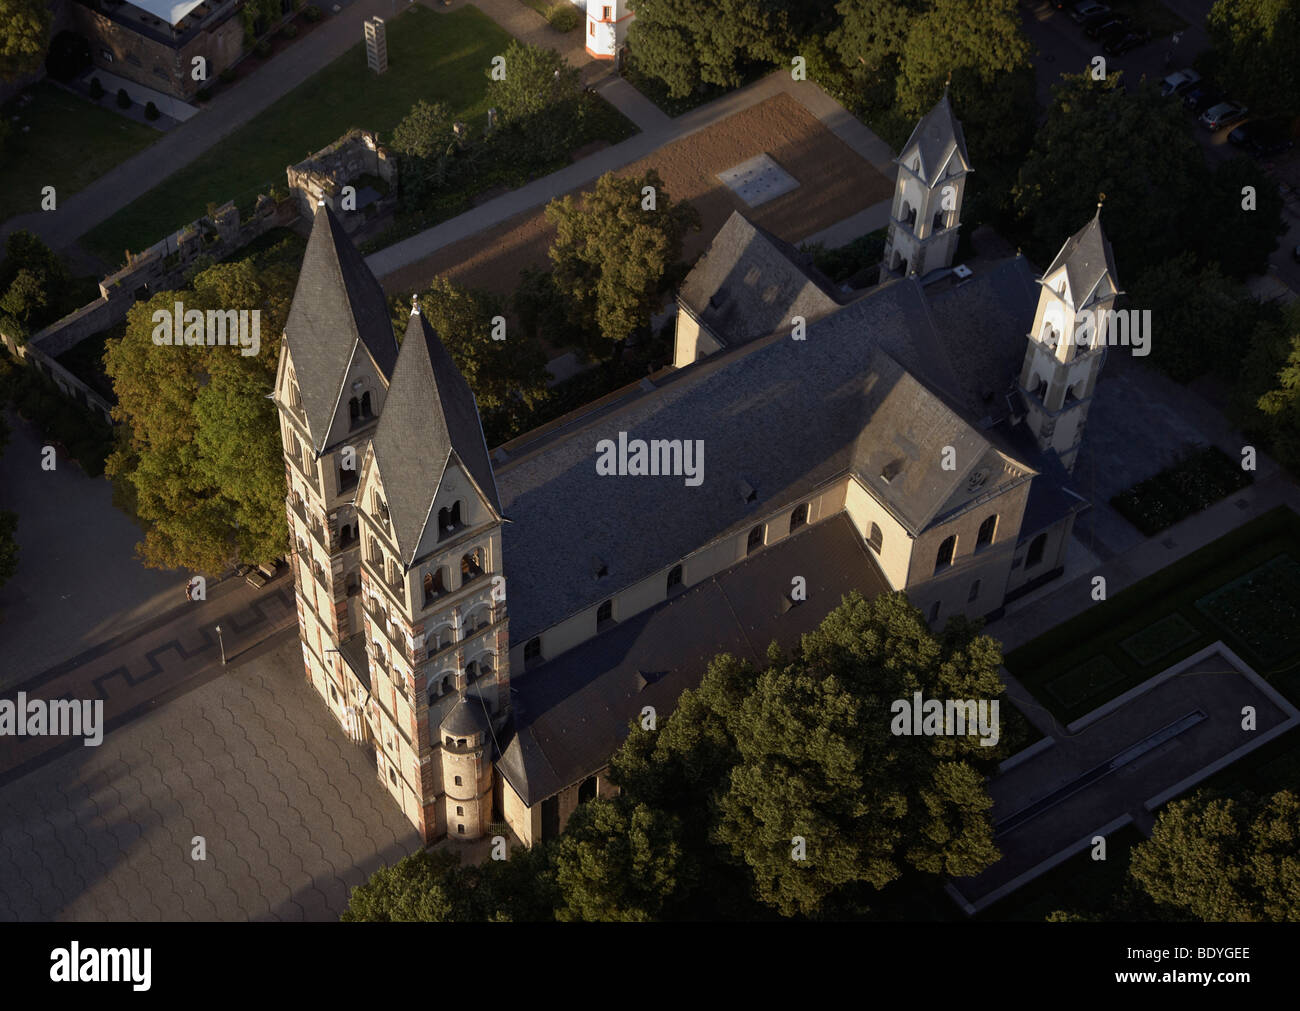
x=96, y=89
x=262, y=49
x=227, y=76
x=563, y=17
x=123, y=99
x=289, y=31
x=151, y=111
x=313, y=14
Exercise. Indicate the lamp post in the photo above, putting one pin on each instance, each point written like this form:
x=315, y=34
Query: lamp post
x=222, y=643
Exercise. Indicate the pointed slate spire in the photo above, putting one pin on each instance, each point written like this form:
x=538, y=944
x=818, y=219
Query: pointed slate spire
x=937, y=139
x=1087, y=259
x=338, y=310
x=429, y=418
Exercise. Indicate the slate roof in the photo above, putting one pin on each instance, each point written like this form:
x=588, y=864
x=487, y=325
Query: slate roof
x=466, y=718
x=750, y=283
x=353, y=651
x=338, y=311
x=1087, y=258
x=429, y=418
x=936, y=138
x=783, y=416
x=571, y=714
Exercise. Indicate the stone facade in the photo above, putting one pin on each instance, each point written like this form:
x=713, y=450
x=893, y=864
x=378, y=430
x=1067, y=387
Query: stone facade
x=322, y=177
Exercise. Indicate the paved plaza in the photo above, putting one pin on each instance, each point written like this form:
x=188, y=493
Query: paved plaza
x=290, y=811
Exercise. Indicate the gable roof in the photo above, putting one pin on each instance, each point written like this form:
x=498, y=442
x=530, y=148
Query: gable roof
x=429, y=418
x=1087, y=258
x=936, y=139
x=338, y=311
x=749, y=283
x=784, y=416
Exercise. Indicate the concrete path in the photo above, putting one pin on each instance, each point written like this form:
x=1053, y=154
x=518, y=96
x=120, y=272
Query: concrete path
x=290, y=812
x=657, y=130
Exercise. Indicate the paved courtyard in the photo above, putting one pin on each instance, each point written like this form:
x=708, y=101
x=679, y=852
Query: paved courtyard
x=290, y=810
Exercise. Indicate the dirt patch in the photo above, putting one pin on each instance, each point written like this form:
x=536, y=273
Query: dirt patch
x=834, y=183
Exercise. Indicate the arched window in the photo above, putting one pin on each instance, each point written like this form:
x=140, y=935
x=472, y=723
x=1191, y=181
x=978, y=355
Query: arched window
x=471, y=566
x=877, y=539
x=487, y=663
x=755, y=540
x=985, y=536
x=448, y=520
x=674, y=578
x=441, y=639
x=938, y=225
x=532, y=652
x=587, y=791
x=1036, y=548
x=799, y=517
x=354, y=412
x=295, y=397
x=471, y=670
x=366, y=412
x=376, y=555
x=946, y=550
x=434, y=584
x=446, y=684
x=605, y=613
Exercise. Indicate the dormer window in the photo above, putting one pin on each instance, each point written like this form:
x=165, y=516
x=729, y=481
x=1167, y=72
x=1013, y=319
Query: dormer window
x=448, y=520
x=381, y=509
x=891, y=470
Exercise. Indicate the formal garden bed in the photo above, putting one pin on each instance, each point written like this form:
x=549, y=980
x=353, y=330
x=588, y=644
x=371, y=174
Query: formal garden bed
x=1234, y=589
x=1184, y=489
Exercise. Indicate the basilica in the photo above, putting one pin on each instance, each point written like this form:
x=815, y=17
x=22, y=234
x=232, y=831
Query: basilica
x=488, y=621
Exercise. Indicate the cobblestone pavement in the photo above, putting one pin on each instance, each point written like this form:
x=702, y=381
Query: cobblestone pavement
x=290, y=812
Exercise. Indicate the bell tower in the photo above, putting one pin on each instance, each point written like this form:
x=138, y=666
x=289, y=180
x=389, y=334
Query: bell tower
x=1067, y=344
x=926, y=213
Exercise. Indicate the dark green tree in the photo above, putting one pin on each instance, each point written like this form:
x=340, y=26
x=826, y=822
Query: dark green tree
x=686, y=43
x=1225, y=859
x=425, y=141
x=24, y=35
x=421, y=888
x=1247, y=222
x=1140, y=154
x=1256, y=43
x=611, y=252
x=1266, y=398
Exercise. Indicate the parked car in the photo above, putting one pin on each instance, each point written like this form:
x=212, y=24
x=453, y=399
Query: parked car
x=1263, y=137
x=1118, y=43
x=1216, y=117
x=1086, y=9
x=1201, y=96
x=1179, y=82
x=1096, y=27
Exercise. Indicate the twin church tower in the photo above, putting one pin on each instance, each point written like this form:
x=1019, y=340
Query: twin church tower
x=395, y=518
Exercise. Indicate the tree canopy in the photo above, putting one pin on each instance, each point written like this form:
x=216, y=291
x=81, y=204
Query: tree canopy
x=612, y=251
x=24, y=36
x=1225, y=859
x=1256, y=43
x=425, y=140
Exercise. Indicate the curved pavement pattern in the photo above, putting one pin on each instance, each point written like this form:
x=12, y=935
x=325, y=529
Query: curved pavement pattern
x=290, y=810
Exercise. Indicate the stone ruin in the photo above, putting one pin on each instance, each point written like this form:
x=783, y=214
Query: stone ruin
x=323, y=175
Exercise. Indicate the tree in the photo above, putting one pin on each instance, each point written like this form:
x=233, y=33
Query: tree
x=8, y=545
x=1248, y=222
x=25, y=301
x=1137, y=150
x=976, y=38
x=536, y=81
x=818, y=761
x=508, y=376
x=425, y=140
x=1255, y=46
x=611, y=253
x=687, y=43
x=203, y=464
x=1225, y=859
x=1266, y=399
x=618, y=861
x=24, y=34
x=421, y=888
x=869, y=43
x=1199, y=317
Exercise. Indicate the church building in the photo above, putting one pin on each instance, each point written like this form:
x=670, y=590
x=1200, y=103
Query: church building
x=489, y=621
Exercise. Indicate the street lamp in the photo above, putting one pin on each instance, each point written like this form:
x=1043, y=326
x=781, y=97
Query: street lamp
x=222, y=644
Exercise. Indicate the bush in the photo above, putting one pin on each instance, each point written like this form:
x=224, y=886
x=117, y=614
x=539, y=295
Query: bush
x=151, y=111
x=313, y=14
x=96, y=89
x=262, y=49
x=227, y=76
x=123, y=99
x=563, y=17
x=289, y=31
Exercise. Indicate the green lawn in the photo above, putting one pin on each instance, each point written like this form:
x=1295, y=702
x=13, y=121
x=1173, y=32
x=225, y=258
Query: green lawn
x=1119, y=643
x=70, y=142
x=431, y=56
